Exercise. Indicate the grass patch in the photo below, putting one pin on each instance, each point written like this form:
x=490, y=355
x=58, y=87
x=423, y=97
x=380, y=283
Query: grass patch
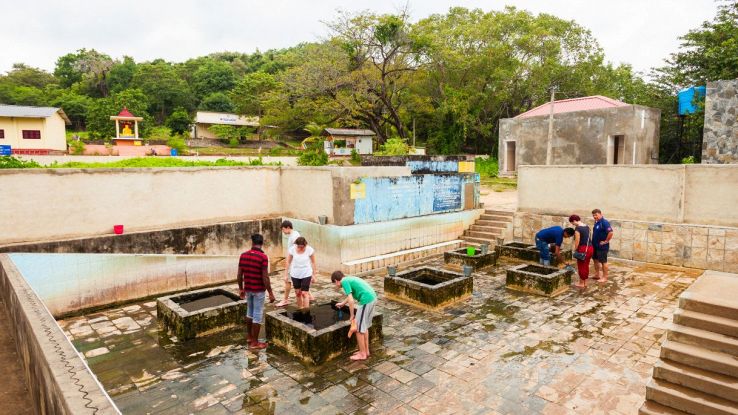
x=229, y=151
x=500, y=184
x=157, y=162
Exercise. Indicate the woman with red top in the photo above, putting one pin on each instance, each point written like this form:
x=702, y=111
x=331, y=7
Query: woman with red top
x=582, y=243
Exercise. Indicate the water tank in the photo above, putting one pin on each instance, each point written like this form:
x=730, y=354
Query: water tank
x=688, y=99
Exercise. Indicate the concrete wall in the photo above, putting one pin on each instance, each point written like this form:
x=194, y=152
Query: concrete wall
x=53, y=136
x=695, y=194
x=69, y=283
x=583, y=137
x=59, y=203
x=337, y=245
x=687, y=245
x=720, y=138
x=57, y=378
x=65, y=158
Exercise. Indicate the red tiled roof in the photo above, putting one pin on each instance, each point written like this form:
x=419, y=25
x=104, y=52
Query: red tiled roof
x=125, y=113
x=574, y=104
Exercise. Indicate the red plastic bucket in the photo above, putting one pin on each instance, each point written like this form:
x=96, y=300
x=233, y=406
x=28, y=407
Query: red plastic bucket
x=118, y=229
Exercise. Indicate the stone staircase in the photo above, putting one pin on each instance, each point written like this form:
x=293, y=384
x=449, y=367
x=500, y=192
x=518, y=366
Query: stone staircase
x=698, y=370
x=491, y=225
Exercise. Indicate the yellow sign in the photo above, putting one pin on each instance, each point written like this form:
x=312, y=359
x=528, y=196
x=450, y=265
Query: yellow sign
x=358, y=191
x=466, y=167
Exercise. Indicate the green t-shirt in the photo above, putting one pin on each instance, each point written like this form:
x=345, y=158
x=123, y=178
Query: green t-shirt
x=360, y=289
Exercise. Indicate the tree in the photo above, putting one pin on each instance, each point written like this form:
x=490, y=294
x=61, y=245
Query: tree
x=75, y=106
x=23, y=75
x=163, y=88
x=212, y=77
x=250, y=91
x=180, y=121
x=121, y=74
x=218, y=102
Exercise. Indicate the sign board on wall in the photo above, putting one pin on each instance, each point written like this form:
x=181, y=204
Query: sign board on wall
x=358, y=191
x=388, y=198
x=5, y=150
x=466, y=167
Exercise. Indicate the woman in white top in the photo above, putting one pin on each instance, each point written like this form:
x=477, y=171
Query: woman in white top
x=301, y=267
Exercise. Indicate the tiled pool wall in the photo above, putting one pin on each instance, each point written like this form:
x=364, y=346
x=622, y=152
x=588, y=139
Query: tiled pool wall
x=57, y=378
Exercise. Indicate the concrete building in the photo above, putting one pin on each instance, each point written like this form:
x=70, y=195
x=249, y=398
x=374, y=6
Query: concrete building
x=720, y=138
x=205, y=119
x=341, y=141
x=588, y=130
x=33, y=130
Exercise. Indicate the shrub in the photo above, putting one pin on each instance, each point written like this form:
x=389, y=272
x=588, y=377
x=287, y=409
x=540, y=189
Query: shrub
x=688, y=160
x=10, y=162
x=394, y=147
x=178, y=143
x=486, y=167
x=314, y=156
x=76, y=147
x=180, y=121
x=355, y=158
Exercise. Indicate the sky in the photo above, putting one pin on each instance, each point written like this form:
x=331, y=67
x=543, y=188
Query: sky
x=639, y=32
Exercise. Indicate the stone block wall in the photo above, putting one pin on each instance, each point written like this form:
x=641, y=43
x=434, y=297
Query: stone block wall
x=692, y=246
x=720, y=139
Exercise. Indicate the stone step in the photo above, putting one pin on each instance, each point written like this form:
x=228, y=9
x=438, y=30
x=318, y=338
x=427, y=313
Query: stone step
x=477, y=241
x=505, y=213
x=722, y=386
x=496, y=218
x=497, y=223
x=700, y=358
x=484, y=228
x=688, y=400
x=653, y=408
x=713, y=293
x=712, y=341
x=715, y=324
x=483, y=235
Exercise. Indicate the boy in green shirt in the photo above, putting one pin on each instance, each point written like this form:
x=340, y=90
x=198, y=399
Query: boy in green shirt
x=359, y=291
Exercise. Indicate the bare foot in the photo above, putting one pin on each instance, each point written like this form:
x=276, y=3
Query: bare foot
x=358, y=356
x=283, y=303
x=258, y=345
x=311, y=296
x=603, y=280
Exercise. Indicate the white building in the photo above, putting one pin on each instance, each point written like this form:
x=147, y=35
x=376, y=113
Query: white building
x=341, y=141
x=206, y=119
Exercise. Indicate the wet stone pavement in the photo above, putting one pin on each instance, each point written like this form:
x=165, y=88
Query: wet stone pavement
x=498, y=352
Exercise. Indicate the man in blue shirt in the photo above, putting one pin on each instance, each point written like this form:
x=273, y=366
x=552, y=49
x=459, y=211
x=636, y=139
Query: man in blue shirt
x=601, y=235
x=552, y=235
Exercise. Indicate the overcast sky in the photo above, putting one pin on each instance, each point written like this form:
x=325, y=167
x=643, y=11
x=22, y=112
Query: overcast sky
x=36, y=32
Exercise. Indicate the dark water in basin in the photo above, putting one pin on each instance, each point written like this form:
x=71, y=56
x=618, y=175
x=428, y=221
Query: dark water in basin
x=320, y=316
x=206, y=302
x=429, y=278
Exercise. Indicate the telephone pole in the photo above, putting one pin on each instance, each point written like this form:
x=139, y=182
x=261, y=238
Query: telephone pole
x=549, y=145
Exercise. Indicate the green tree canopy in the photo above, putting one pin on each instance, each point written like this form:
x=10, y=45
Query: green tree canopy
x=218, y=102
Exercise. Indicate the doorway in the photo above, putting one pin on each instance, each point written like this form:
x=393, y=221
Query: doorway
x=510, y=156
x=617, y=149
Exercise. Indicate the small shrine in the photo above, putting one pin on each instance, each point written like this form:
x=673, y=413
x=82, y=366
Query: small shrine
x=124, y=134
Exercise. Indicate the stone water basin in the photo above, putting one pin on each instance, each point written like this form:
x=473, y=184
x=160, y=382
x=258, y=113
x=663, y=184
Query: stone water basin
x=459, y=257
x=538, y=279
x=528, y=252
x=317, y=334
x=428, y=287
x=199, y=313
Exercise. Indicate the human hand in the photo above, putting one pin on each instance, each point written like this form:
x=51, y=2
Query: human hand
x=272, y=298
x=340, y=305
x=602, y=243
x=242, y=294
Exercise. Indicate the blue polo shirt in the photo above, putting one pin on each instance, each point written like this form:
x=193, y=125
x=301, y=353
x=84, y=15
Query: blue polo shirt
x=552, y=235
x=601, y=229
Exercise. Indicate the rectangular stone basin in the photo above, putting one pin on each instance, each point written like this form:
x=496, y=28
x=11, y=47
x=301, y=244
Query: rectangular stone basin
x=538, y=279
x=199, y=313
x=477, y=262
x=318, y=334
x=428, y=287
x=528, y=252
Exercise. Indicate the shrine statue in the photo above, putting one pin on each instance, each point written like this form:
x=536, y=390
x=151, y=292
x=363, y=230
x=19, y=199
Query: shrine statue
x=126, y=131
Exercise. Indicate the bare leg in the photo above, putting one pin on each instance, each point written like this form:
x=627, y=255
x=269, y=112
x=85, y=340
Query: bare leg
x=366, y=344
x=287, y=288
x=305, y=299
x=604, y=272
x=248, y=330
x=298, y=298
x=362, y=352
x=597, y=269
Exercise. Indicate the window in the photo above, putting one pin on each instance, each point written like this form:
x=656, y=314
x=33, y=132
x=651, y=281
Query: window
x=2, y=133
x=32, y=134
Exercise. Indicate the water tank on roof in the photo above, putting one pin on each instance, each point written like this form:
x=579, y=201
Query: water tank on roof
x=688, y=99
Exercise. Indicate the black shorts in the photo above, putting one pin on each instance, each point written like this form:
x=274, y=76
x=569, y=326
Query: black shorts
x=600, y=253
x=302, y=284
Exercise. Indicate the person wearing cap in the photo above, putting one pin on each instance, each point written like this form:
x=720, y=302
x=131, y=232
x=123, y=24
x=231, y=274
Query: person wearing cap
x=582, y=244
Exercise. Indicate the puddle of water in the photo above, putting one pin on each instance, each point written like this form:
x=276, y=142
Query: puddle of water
x=320, y=316
x=206, y=302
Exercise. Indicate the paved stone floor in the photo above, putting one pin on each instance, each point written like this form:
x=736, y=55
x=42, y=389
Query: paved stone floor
x=496, y=353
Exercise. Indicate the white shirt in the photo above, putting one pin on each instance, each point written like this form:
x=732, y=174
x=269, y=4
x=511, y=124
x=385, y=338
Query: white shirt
x=301, y=267
x=291, y=238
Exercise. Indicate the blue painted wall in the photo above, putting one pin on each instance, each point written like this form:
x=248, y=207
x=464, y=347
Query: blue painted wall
x=428, y=166
x=389, y=198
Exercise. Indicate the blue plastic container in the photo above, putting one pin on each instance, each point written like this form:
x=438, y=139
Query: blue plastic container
x=688, y=99
x=174, y=152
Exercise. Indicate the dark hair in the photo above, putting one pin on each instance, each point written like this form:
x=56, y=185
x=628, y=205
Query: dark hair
x=337, y=276
x=574, y=218
x=569, y=232
x=301, y=241
x=257, y=239
x=596, y=211
x=286, y=224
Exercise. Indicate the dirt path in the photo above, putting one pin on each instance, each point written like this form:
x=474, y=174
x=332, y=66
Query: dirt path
x=499, y=200
x=14, y=396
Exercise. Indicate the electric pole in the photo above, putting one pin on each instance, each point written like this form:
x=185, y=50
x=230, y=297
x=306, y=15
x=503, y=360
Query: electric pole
x=549, y=146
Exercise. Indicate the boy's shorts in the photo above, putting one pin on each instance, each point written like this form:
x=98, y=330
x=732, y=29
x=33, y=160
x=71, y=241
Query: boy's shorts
x=302, y=284
x=364, y=315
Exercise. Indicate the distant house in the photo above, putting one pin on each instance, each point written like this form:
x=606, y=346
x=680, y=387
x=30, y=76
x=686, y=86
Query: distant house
x=587, y=130
x=206, y=119
x=340, y=141
x=33, y=130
